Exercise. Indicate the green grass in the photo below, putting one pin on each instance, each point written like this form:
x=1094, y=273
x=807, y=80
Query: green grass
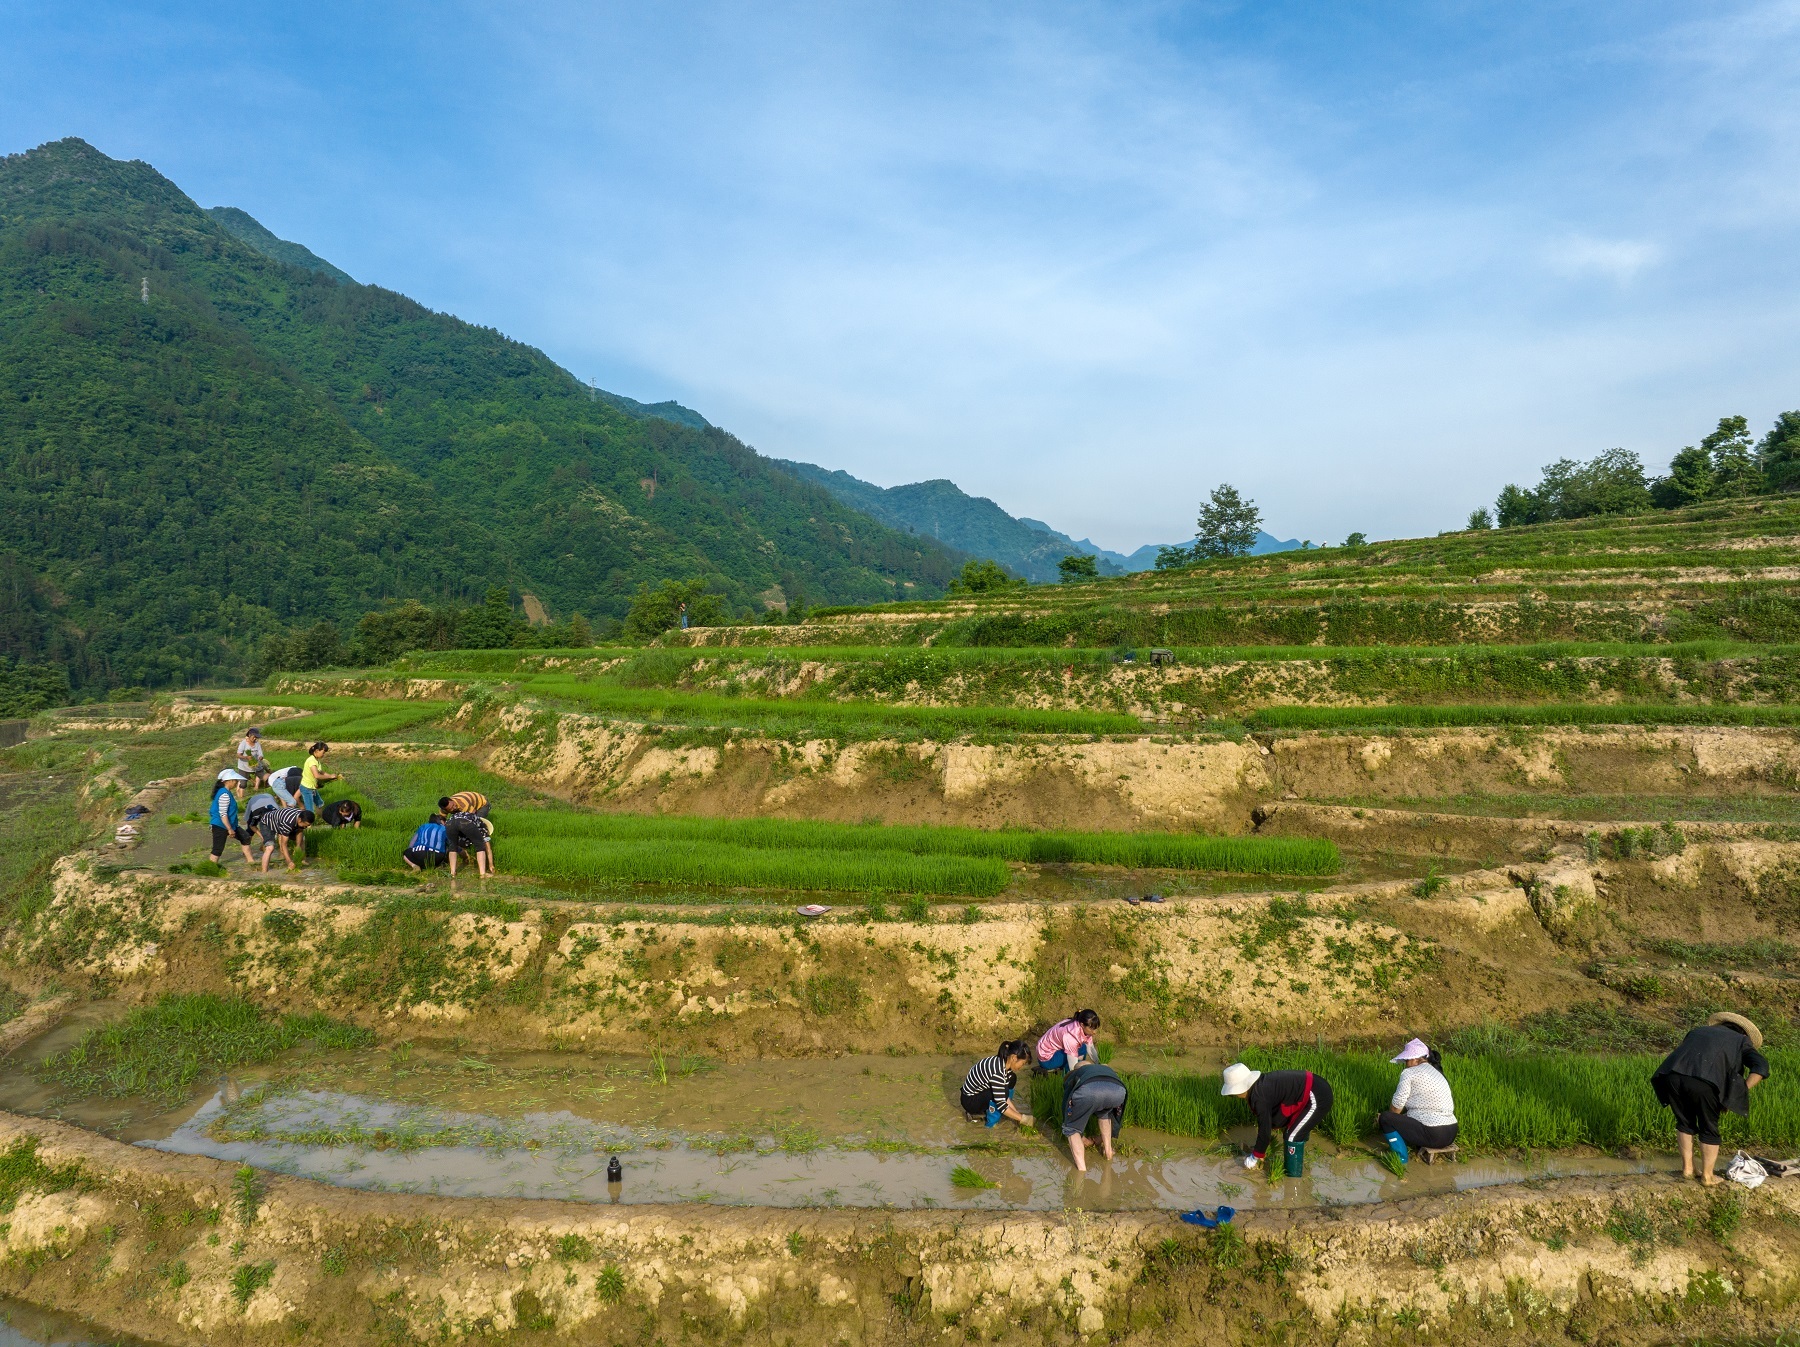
x=1546, y=1101
x=806, y=715
x=346, y=718
x=965, y=1177
x=1430, y=717
x=162, y=1051
x=552, y=841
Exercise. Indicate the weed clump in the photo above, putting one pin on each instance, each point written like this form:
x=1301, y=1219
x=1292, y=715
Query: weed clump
x=249, y=1278
x=160, y=1051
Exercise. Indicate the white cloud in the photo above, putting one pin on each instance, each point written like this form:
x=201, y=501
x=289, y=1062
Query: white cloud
x=1619, y=260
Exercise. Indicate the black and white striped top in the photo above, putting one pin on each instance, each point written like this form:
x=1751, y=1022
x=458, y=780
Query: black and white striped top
x=989, y=1077
x=1425, y=1095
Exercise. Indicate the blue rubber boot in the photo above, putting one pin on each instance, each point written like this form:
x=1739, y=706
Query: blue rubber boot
x=1398, y=1146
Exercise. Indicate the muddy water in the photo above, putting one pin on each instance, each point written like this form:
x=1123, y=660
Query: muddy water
x=850, y=1131
x=23, y=1325
x=360, y=1142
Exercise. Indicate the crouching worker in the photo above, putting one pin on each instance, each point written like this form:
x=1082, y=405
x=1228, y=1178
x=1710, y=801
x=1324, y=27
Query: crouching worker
x=469, y=833
x=224, y=815
x=282, y=826
x=1092, y=1091
x=1294, y=1101
x=430, y=845
x=342, y=814
x=1705, y=1074
x=1422, y=1113
x=1068, y=1043
x=987, y=1091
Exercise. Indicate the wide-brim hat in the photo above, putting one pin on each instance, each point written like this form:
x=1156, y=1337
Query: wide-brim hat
x=232, y=774
x=1412, y=1051
x=1730, y=1017
x=1238, y=1078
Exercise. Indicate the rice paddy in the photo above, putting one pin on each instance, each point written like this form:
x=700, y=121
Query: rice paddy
x=555, y=842
x=1550, y=1101
x=350, y=719
x=1433, y=717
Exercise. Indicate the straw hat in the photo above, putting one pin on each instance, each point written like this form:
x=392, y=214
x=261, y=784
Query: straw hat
x=1750, y=1030
x=1239, y=1078
x=1412, y=1052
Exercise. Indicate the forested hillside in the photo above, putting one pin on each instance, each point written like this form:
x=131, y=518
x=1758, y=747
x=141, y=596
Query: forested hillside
x=201, y=445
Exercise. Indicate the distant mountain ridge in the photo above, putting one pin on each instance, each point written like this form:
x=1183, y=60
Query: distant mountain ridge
x=940, y=509
x=211, y=436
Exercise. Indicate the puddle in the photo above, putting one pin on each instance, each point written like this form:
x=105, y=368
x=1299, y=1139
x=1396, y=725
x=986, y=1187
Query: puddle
x=24, y=1325
x=383, y=1145
x=848, y=1131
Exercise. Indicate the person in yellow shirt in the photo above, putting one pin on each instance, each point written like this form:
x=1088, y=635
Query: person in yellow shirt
x=312, y=776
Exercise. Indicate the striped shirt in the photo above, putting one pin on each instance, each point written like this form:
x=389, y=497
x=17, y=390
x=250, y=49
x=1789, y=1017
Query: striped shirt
x=285, y=821
x=989, y=1076
x=1425, y=1095
x=430, y=837
x=466, y=802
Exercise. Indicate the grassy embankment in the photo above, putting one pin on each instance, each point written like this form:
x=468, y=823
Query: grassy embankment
x=552, y=841
x=1551, y=1101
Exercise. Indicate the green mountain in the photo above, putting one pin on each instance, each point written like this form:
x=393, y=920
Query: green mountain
x=943, y=511
x=201, y=444
x=246, y=229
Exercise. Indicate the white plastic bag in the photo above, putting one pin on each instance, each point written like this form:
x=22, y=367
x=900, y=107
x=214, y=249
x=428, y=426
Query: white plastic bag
x=1745, y=1170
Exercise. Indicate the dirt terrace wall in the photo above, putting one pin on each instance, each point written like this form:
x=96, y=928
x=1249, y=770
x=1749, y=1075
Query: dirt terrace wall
x=1200, y=971
x=178, y=1249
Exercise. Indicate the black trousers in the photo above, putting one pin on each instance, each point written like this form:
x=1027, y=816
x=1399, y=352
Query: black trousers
x=1415, y=1133
x=1313, y=1111
x=1695, y=1104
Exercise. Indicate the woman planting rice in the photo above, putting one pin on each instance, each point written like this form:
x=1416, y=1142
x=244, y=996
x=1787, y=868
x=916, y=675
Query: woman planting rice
x=988, y=1088
x=224, y=817
x=1089, y=1091
x=1422, y=1112
x=1069, y=1042
x=1299, y=1099
x=1705, y=1074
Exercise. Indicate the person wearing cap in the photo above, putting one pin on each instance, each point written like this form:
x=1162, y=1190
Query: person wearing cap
x=1091, y=1090
x=1294, y=1101
x=1422, y=1112
x=251, y=761
x=1706, y=1073
x=224, y=815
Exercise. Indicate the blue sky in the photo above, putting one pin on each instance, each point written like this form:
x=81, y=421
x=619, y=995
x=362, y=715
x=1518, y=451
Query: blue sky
x=1366, y=262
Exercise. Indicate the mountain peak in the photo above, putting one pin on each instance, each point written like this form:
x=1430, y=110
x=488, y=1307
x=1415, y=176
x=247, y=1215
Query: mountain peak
x=249, y=231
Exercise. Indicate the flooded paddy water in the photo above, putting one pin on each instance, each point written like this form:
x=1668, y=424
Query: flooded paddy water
x=852, y=1131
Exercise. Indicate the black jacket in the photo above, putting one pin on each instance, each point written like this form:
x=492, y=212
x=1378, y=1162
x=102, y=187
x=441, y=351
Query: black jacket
x=1718, y=1054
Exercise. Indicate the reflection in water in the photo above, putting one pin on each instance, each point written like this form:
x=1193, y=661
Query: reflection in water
x=360, y=1142
x=27, y=1326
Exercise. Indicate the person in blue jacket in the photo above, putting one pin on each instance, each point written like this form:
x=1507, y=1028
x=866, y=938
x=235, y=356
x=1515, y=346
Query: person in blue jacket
x=223, y=813
x=430, y=845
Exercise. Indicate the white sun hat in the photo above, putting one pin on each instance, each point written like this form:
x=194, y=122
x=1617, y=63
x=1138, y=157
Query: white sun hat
x=1239, y=1078
x=232, y=774
x=1412, y=1051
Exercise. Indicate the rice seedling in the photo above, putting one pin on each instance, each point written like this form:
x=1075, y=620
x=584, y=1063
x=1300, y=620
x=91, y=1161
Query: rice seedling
x=1545, y=1101
x=1431, y=717
x=965, y=1177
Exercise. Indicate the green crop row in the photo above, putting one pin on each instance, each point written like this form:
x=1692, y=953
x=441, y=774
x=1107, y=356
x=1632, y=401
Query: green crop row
x=1425, y=717
x=349, y=718
x=710, y=864
x=1503, y=1102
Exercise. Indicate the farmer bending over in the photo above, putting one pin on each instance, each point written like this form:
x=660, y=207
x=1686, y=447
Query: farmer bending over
x=1092, y=1090
x=430, y=845
x=987, y=1090
x=1704, y=1074
x=1297, y=1098
x=278, y=827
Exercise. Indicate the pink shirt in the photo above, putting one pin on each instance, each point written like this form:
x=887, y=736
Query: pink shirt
x=1067, y=1036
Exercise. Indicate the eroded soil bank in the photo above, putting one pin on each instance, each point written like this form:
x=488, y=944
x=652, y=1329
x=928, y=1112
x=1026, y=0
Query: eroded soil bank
x=180, y=1249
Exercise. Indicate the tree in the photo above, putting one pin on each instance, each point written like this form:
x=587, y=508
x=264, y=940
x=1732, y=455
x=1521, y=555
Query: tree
x=1515, y=506
x=1612, y=482
x=1228, y=525
x=1355, y=540
x=489, y=627
x=983, y=577
x=1078, y=566
x=1734, y=467
x=655, y=611
x=1778, y=454
x=1480, y=520
x=1168, y=558
x=1690, y=480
